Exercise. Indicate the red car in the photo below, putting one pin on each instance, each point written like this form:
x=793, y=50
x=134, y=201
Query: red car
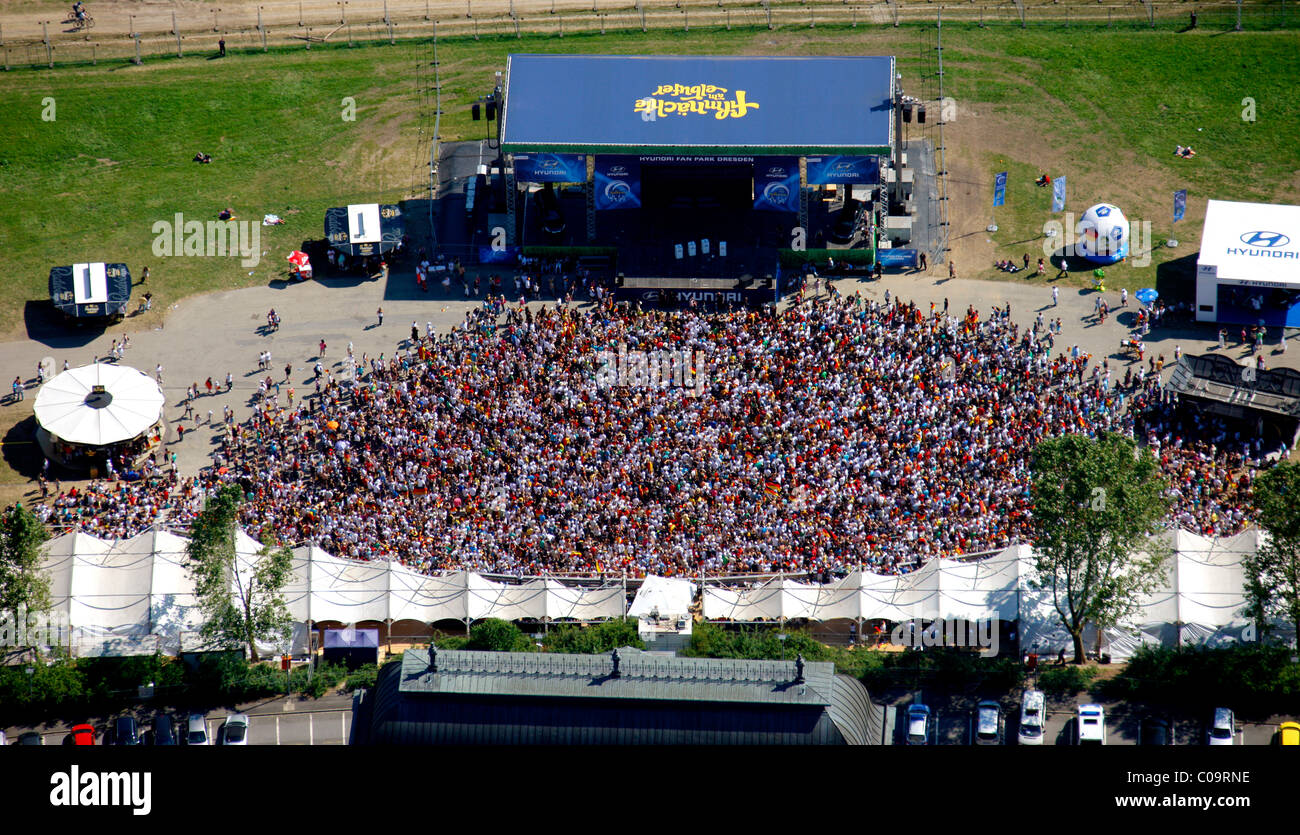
x=82, y=735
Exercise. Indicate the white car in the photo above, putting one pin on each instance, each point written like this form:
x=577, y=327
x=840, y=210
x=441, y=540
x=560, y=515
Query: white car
x=918, y=725
x=1032, y=717
x=1224, y=729
x=1092, y=725
x=236, y=729
x=988, y=723
x=196, y=730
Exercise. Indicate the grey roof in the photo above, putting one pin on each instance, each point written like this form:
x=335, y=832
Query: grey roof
x=1219, y=378
x=641, y=676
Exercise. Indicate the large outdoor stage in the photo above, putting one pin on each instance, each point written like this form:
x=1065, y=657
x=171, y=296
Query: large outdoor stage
x=695, y=168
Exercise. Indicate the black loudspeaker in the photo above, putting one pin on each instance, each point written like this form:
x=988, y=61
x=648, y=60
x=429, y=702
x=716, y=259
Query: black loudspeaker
x=920, y=114
x=492, y=111
x=619, y=280
x=474, y=112
x=768, y=280
x=907, y=112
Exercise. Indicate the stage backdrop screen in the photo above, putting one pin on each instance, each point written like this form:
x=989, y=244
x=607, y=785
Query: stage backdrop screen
x=837, y=170
x=551, y=168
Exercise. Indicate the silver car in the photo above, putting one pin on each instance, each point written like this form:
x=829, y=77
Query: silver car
x=196, y=730
x=236, y=729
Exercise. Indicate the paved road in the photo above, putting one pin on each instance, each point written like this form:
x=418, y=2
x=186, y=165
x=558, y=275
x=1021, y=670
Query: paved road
x=325, y=721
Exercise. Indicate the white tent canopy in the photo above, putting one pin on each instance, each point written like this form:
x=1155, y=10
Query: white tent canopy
x=139, y=590
x=99, y=404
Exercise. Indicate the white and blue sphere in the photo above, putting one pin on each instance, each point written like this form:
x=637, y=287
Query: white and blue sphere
x=1103, y=234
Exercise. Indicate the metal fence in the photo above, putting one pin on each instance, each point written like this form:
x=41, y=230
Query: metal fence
x=143, y=37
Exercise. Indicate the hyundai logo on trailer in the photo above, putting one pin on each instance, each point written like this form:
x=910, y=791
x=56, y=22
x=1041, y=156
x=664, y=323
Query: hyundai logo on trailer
x=1266, y=239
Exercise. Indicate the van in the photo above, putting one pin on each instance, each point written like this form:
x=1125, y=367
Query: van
x=1091, y=728
x=1032, y=717
x=1223, y=731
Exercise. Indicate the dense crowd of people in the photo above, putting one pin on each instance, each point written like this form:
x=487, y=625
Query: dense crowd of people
x=839, y=432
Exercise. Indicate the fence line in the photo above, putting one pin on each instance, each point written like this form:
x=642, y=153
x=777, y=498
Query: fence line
x=197, y=35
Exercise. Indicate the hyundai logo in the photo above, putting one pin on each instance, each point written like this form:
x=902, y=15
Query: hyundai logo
x=1265, y=239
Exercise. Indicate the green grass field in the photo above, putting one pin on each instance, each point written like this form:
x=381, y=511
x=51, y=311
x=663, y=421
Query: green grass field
x=1106, y=108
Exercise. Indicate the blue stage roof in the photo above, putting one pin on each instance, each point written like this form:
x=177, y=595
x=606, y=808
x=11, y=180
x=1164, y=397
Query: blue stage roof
x=698, y=105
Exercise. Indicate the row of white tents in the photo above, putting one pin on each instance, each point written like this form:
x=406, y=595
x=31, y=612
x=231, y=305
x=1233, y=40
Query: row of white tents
x=135, y=595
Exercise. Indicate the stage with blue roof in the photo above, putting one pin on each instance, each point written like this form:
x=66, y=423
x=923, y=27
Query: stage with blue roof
x=700, y=178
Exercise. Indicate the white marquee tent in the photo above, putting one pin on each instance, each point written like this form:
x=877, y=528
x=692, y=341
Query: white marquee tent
x=135, y=595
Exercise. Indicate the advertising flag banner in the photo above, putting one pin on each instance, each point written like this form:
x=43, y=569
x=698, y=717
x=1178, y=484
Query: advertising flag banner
x=618, y=183
x=1000, y=189
x=1180, y=204
x=776, y=184
x=1058, y=194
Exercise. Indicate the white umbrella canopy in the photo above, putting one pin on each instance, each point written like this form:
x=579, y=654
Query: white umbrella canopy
x=99, y=404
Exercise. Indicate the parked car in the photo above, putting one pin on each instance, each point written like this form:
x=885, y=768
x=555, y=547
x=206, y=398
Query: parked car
x=918, y=724
x=988, y=723
x=1032, y=716
x=1288, y=733
x=164, y=729
x=1223, y=730
x=30, y=738
x=123, y=732
x=196, y=731
x=235, y=731
x=1091, y=729
x=81, y=735
x=1155, y=731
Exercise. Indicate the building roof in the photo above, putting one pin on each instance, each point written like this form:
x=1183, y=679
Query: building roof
x=1254, y=242
x=546, y=698
x=698, y=105
x=641, y=676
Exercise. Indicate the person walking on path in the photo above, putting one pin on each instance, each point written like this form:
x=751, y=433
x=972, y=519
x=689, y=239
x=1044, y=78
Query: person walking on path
x=380, y=314
x=230, y=381
x=1223, y=339
x=925, y=265
x=1056, y=295
x=1065, y=269
x=1123, y=297
x=322, y=349
x=952, y=270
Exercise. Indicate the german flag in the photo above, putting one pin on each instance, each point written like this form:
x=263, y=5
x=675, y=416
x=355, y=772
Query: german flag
x=772, y=488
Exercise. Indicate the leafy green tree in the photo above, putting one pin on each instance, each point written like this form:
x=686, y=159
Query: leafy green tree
x=499, y=636
x=595, y=639
x=22, y=582
x=1273, y=572
x=242, y=605
x=1097, y=505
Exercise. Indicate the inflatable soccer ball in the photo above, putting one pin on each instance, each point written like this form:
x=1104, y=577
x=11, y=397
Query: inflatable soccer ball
x=1103, y=234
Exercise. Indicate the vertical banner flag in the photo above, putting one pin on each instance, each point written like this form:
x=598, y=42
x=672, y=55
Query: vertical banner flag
x=1180, y=204
x=1000, y=189
x=1058, y=194
x=618, y=182
x=776, y=184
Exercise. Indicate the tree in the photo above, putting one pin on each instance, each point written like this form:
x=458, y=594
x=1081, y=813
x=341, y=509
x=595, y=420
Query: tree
x=1273, y=572
x=598, y=639
x=23, y=585
x=1097, y=505
x=241, y=604
x=499, y=636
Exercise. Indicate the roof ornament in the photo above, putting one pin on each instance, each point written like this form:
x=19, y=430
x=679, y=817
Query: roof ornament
x=798, y=669
x=613, y=656
x=433, y=657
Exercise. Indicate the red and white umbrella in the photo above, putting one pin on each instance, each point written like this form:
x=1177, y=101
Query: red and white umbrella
x=299, y=259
